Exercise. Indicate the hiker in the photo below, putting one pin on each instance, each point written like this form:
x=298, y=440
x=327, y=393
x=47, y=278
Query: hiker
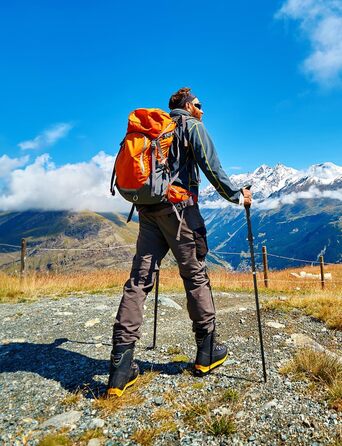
x=177, y=225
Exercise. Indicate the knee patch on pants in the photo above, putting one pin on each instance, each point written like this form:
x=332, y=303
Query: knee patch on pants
x=200, y=235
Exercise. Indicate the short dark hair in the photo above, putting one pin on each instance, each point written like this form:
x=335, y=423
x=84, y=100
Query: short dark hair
x=180, y=98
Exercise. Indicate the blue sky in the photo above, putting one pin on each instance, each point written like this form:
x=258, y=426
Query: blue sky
x=268, y=74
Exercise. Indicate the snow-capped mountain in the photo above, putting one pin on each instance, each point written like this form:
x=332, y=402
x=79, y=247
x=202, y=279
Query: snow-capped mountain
x=295, y=213
x=272, y=182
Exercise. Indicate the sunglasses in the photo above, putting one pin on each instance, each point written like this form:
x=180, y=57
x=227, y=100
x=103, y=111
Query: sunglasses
x=198, y=105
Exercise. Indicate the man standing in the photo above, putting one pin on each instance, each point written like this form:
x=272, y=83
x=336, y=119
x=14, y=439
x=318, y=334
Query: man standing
x=177, y=225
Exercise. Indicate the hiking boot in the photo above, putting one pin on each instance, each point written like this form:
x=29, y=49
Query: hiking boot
x=123, y=370
x=210, y=354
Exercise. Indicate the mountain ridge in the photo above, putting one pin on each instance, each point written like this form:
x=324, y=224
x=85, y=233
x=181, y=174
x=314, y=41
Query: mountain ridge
x=295, y=214
x=281, y=179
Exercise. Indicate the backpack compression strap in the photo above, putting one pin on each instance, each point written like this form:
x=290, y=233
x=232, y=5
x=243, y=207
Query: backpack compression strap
x=112, y=180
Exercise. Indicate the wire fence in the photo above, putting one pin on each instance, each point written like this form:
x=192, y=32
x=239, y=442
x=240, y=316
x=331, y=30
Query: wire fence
x=243, y=254
x=18, y=254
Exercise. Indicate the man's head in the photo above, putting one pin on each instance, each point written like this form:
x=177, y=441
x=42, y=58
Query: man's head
x=187, y=101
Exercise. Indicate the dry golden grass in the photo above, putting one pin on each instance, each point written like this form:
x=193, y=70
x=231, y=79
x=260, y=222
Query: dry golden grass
x=72, y=399
x=55, y=440
x=193, y=411
x=319, y=368
x=145, y=436
x=335, y=395
x=229, y=395
x=33, y=285
x=131, y=396
x=88, y=435
x=173, y=350
x=168, y=426
x=180, y=358
x=162, y=414
x=218, y=425
x=325, y=306
x=197, y=386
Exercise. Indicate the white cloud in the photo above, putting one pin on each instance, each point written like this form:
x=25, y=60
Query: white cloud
x=80, y=186
x=220, y=203
x=8, y=164
x=48, y=137
x=312, y=193
x=321, y=23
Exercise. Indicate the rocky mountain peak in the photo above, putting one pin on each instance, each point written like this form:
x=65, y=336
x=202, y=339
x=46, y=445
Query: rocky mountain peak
x=281, y=179
x=325, y=171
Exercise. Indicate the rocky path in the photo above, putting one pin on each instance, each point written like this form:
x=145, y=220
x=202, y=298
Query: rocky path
x=54, y=362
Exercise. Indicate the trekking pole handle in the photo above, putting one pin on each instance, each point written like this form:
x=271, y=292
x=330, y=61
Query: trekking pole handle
x=247, y=206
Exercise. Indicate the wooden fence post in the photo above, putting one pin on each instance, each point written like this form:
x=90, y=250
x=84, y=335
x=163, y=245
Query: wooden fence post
x=264, y=261
x=23, y=256
x=321, y=263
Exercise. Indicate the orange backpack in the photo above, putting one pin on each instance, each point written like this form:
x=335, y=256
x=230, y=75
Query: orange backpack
x=141, y=172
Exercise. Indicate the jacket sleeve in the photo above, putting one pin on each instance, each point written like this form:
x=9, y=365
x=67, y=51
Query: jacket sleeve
x=205, y=155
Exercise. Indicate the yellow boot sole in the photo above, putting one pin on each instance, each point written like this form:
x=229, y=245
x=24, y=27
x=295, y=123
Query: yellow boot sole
x=204, y=370
x=114, y=391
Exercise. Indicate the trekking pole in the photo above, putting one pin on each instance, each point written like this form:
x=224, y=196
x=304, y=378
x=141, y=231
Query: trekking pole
x=251, y=247
x=155, y=311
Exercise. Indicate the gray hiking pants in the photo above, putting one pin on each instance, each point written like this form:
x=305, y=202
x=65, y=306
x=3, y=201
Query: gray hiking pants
x=157, y=234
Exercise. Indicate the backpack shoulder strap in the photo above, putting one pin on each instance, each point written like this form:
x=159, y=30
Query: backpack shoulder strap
x=181, y=123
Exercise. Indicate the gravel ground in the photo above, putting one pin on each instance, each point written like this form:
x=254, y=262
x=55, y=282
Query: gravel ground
x=54, y=363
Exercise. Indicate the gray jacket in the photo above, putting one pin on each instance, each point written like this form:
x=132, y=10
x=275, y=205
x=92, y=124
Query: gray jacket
x=201, y=153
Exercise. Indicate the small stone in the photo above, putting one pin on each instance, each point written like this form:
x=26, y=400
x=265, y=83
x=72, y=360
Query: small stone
x=91, y=323
x=270, y=404
x=167, y=302
x=158, y=401
x=274, y=324
x=283, y=437
x=96, y=423
x=101, y=307
x=18, y=340
x=94, y=442
x=242, y=309
x=242, y=321
x=306, y=422
x=251, y=438
x=63, y=420
x=314, y=424
x=29, y=420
